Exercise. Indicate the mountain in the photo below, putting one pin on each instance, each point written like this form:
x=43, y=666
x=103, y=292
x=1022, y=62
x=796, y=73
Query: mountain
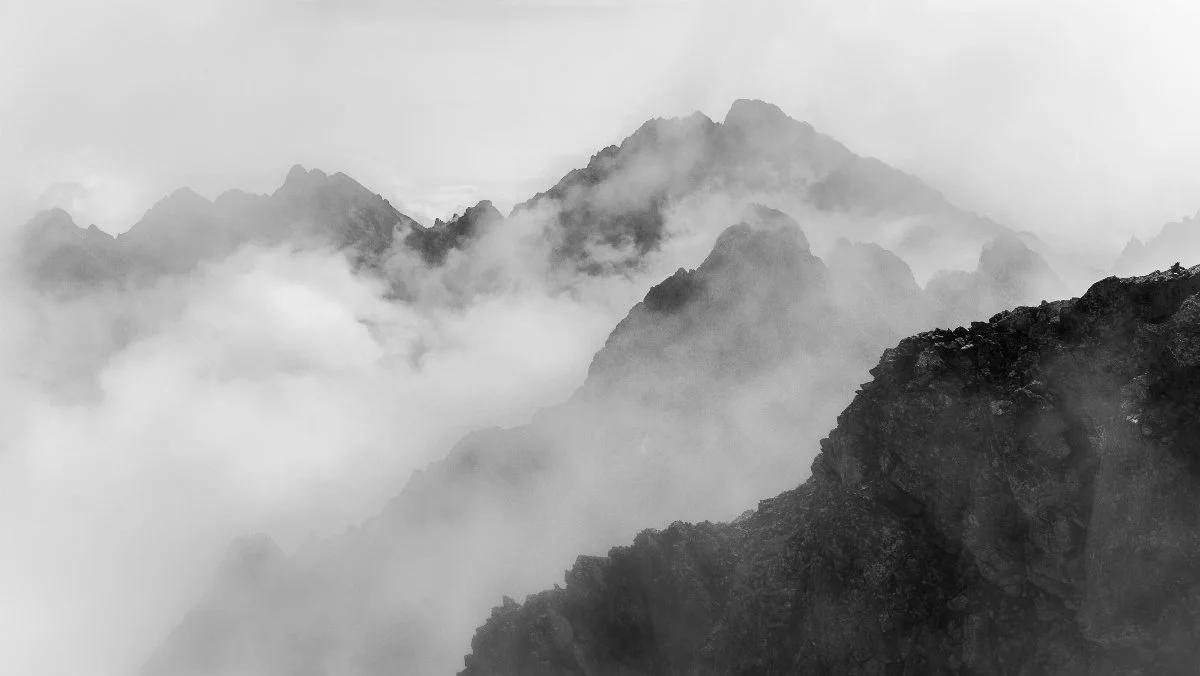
x=684, y=173
x=1176, y=242
x=1013, y=498
x=617, y=209
x=1009, y=273
x=183, y=229
x=435, y=242
x=695, y=405
x=58, y=252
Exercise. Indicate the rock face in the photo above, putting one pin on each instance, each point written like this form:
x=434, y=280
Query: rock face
x=1013, y=498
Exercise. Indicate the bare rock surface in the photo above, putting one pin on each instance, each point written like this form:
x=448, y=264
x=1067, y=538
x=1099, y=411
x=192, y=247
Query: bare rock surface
x=1017, y=497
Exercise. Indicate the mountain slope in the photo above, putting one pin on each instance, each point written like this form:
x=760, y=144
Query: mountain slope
x=1014, y=498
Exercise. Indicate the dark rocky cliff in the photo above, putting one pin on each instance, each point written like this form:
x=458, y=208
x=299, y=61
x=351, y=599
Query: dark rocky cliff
x=1018, y=497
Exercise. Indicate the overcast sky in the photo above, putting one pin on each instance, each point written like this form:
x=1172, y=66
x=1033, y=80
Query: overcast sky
x=1066, y=118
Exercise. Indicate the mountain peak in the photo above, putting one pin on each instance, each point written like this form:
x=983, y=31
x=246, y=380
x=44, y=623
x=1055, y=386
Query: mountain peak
x=434, y=243
x=184, y=196
x=296, y=173
x=298, y=178
x=753, y=112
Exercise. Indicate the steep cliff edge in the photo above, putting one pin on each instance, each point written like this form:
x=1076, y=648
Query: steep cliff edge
x=1014, y=498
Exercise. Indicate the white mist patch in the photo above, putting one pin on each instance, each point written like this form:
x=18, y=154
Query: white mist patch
x=274, y=391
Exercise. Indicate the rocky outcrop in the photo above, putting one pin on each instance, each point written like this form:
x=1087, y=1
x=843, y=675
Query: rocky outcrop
x=1017, y=497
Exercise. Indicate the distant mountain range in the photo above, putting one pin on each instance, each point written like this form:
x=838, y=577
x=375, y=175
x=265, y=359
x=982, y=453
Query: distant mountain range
x=602, y=218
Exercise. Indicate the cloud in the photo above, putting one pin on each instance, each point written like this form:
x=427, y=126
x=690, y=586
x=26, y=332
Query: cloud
x=274, y=391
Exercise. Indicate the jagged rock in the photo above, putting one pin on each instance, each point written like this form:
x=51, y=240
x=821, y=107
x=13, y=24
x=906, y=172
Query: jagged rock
x=1013, y=498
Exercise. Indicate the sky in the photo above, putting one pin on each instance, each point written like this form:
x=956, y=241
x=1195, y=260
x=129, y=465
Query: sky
x=1071, y=119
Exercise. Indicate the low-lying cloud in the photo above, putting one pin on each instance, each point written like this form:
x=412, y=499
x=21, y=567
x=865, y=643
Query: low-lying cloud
x=276, y=391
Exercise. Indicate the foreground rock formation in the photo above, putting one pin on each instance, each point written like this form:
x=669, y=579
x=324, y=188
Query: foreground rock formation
x=1018, y=497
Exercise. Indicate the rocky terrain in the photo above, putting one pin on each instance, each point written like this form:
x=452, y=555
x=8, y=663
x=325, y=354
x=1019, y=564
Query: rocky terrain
x=1016, y=497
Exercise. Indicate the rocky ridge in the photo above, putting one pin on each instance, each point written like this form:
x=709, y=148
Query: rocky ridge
x=1016, y=497
x=310, y=208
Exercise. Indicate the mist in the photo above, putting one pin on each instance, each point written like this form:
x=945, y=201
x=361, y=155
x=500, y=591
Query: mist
x=275, y=391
